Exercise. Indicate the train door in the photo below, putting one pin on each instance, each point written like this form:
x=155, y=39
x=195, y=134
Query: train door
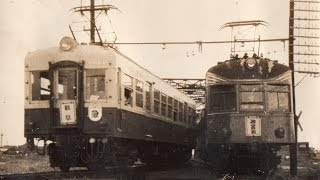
x=67, y=94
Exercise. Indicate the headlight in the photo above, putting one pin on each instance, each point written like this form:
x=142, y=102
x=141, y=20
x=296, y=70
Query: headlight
x=251, y=63
x=67, y=43
x=92, y=140
x=279, y=132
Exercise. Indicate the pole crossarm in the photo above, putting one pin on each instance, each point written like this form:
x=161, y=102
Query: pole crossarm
x=96, y=8
x=297, y=1
x=307, y=72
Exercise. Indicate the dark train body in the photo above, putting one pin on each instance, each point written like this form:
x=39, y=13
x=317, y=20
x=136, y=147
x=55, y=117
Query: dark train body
x=99, y=108
x=248, y=114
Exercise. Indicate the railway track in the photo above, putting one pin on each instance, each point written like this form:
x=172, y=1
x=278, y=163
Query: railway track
x=123, y=173
x=193, y=170
x=136, y=172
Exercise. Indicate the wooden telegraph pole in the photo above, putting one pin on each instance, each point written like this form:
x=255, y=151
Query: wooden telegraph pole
x=92, y=22
x=92, y=8
x=303, y=50
x=1, y=139
x=293, y=147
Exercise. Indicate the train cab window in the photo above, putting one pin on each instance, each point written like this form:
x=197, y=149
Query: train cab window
x=251, y=97
x=175, y=110
x=156, y=101
x=163, y=104
x=67, y=84
x=278, y=97
x=40, y=85
x=170, y=103
x=222, y=98
x=95, y=84
x=148, y=96
x=127, y=82
x=139, y=94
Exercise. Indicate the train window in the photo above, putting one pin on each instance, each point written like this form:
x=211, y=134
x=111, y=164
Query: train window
x=185, y=119
x=148, y=98
x=40, y=85
x=95, y=84
x=278, y=97
x=190, y=113
x=181, y=115
x=170, y=103
x=139, y=86
x=251, y=97
x=175, y=110
x=163, y=104
x=193, y=116
x=67, y=84
x=193, y=120
x=156, y=101
x=250, y=88
x=139, y=93
x=222, y=98
x=127, y=81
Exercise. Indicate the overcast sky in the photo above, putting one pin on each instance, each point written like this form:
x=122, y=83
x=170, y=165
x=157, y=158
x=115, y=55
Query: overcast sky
x=27, y=25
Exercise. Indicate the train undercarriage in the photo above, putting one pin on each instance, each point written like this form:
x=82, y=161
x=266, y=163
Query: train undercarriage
x=251, y=158
x=97, y=153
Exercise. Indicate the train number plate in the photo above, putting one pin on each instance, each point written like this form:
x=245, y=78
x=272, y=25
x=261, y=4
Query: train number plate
x=253, y=126
x=67, y=113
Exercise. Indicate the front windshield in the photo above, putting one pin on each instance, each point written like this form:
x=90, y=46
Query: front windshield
x=67, y=84
x=40, y=85
x=251, y=97
x=222, y=98
x=278, y=97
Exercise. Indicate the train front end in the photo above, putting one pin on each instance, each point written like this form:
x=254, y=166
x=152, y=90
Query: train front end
x=248, y=114
x=70, y=100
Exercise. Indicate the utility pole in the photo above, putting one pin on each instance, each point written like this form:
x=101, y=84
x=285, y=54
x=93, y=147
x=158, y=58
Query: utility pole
x=303, y=51
x=1, y=139
x=92, y=9
x=293, y=146
x=92, y=22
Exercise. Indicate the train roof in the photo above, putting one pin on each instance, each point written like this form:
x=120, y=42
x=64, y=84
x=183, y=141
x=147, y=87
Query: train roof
x=39, y=59
x=95, y=56
x=248, y=68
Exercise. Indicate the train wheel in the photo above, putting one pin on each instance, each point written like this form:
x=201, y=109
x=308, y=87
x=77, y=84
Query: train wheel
x=64, y=168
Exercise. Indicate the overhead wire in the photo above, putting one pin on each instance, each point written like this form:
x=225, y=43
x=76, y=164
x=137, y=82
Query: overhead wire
x=197, y=42
x=301, y=80
x=113, y=31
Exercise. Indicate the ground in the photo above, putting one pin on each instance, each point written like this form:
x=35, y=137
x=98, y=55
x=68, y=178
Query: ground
x=23, y=163
x=18, y=162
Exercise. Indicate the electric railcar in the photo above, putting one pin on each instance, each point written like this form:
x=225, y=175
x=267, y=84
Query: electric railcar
x=98, y=108
x=248, y=114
